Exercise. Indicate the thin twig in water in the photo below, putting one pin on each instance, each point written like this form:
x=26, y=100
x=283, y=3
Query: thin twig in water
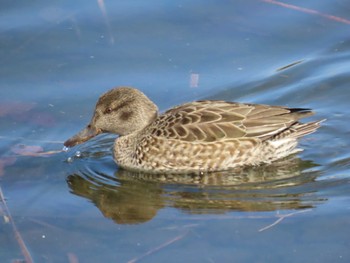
x=101, y=5
x=156, y=249
x=20, y=241
x=308, y=11
x=28, y=140
x=281, y=217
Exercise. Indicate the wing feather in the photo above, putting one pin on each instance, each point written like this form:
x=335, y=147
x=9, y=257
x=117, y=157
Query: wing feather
x=208, y=121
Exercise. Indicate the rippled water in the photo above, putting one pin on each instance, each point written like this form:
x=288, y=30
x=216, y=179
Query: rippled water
x=77, y=206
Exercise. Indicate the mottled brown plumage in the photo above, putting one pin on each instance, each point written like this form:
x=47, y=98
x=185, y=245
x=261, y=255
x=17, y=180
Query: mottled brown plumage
x=196, y=136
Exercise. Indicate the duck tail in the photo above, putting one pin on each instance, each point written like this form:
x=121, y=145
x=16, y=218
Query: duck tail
x=298, y=130
x=301, y=129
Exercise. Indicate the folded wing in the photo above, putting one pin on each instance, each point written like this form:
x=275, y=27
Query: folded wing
x=208, y=121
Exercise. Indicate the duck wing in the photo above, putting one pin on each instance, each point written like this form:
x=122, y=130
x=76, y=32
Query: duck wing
x=209, y=121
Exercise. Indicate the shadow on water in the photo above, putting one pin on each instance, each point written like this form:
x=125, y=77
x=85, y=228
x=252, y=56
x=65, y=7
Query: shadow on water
x=131, y=197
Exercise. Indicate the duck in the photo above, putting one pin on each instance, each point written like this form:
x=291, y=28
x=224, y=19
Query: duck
x=195, y=137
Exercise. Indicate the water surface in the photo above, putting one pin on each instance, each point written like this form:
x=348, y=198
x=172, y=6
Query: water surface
x=56, y=59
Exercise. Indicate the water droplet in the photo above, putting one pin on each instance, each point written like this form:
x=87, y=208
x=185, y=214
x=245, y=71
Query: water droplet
x=65, y=148
x=77, y=154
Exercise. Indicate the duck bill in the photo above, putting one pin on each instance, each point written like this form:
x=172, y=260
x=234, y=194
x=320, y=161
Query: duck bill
x=82, y=136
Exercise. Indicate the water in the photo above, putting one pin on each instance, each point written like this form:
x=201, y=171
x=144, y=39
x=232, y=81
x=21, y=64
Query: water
x=77, y=206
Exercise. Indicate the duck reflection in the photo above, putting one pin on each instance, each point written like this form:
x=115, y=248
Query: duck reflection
x=133, y=197
x=127, y=202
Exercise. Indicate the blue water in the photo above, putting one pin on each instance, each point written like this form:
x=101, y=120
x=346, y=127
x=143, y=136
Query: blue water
x=57, y=57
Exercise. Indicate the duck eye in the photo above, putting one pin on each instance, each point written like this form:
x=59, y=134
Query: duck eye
x=108, y=110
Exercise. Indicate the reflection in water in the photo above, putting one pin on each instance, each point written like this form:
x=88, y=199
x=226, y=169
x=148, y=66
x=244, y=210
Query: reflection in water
x=130, y=198
x=127, y=203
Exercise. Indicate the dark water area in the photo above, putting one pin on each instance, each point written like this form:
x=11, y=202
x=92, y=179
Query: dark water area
x=58, y=57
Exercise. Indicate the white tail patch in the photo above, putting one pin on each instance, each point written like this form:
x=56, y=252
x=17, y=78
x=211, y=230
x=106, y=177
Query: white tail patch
x=285, y=146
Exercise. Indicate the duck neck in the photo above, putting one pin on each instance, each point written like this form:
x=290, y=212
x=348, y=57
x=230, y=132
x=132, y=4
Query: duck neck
x=125, y=148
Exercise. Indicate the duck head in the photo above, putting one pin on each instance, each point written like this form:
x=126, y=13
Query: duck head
x=122, y=110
